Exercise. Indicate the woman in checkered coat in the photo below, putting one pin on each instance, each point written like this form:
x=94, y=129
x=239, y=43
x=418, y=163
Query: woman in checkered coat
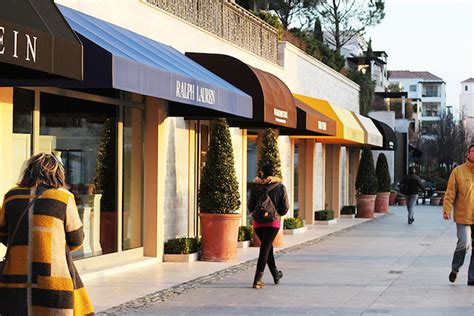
x=39, y=276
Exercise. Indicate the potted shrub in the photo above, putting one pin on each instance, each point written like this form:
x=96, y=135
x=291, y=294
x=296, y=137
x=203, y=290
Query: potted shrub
x=366, y=185
x=324, y=217
x=219, y=198
x=182, y=249
x=383, y=184
x=440, y=185
x=245, y=236
x=348, y=211
x=393, y=197
x=293, y=226
x=401, y=200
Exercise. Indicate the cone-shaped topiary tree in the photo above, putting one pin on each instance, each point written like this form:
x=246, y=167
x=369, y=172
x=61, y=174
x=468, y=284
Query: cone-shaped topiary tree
x=269, y=153
x=219, y=189
x=366, y=181
x=382, y=173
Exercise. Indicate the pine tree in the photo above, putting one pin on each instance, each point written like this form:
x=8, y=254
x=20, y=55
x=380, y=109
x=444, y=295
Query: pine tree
x=269, y=153
x=219, y=189
x=383, y=174
x=366, y=181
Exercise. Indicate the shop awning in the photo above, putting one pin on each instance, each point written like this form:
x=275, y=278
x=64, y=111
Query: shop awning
x=273, y=104
x=348, y=130
x=36, y=42
x=121, y=59
x=309, y=121
x=372, y=135
x=389, y=138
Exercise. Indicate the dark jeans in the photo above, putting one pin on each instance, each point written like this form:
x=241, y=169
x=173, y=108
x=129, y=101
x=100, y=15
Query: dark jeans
x=464, y=234
x=266, y=236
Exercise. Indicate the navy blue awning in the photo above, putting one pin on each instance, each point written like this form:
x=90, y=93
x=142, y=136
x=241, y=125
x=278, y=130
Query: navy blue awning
x=121, y=59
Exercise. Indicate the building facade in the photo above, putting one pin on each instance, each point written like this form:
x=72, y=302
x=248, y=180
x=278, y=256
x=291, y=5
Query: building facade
x=466, y=105
x=429, y=89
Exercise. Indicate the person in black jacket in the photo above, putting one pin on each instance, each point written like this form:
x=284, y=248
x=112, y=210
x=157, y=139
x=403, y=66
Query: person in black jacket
x=409, y=186
x=266, y=232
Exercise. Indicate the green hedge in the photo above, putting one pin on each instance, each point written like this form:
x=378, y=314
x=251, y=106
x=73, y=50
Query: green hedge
x=245, y=233
x=183, y=246
x=348, y=210
x=292, y=223
x=324, y=215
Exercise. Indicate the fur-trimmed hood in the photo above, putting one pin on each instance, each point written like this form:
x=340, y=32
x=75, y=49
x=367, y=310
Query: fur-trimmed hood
x=267, y=180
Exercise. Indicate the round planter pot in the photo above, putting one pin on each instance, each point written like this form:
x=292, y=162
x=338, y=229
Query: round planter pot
x=381, y=202
x=435, y=200
x=402, y=201
x=219, y=236
x=365, y=206
x=393, y=198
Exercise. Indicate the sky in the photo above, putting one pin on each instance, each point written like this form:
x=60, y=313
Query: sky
x=429, y=35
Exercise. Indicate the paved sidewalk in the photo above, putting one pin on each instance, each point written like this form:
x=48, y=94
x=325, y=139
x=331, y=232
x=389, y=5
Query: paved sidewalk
x=110, y=291
x=382, y=267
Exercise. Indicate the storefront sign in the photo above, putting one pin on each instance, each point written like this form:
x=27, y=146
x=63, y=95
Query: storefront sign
x=322, y=125
x=25, y=47
x=193, y=92
x=280, y=115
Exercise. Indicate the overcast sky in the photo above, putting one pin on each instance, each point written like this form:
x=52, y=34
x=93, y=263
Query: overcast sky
x=429, y=35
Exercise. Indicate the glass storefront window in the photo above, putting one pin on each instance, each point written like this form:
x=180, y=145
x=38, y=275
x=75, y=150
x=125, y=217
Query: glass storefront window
x=296, y=181
x=84, y=134
x=132, y=225
x=251, y=168
x=23, y=106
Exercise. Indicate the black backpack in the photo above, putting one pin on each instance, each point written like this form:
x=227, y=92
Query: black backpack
x=265, y=211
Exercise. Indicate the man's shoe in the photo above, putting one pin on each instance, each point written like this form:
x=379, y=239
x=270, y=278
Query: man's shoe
x=452, y=277
x=411, y=220
x=470, y=282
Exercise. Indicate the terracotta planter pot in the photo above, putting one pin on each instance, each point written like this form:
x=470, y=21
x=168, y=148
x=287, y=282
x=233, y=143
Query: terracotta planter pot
x=402, y=201
x=435, y=200
x=381, y=202
x=365, y=206
x=393, y=198
x=219, y=236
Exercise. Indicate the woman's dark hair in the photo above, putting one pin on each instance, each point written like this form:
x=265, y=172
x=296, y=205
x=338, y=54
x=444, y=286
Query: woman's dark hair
x=412, y=170
x=267, y=171
x=43, y=169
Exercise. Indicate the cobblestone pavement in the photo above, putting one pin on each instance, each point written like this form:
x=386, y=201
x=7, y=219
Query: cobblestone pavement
x=382, y=267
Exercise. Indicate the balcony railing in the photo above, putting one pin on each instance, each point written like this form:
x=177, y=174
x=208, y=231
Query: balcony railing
x=228, y=21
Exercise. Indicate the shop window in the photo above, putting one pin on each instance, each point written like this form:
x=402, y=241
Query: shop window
x=296, y=180
x=251, y=166
x=84, y=134
x=133, y=161
x=22, y=145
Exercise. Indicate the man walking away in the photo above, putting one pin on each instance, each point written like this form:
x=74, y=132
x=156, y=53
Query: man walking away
x=459, y=196
x=409, y=186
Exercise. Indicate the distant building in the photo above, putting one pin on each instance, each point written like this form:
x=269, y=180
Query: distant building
x=354, y=47
x=426, y=88
x=466, y=104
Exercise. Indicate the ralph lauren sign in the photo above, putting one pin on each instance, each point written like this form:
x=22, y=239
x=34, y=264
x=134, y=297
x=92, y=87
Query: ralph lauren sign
x=194, y=92
x=25, y=47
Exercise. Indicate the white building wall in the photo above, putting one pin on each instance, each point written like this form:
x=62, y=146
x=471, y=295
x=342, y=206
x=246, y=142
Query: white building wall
x=308, y=76
x=466, y=99
x=286, y=156
x=318, y=177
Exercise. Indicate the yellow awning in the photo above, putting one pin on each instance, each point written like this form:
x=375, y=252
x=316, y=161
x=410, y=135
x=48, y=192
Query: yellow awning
x=348, y=130
x=372, y=134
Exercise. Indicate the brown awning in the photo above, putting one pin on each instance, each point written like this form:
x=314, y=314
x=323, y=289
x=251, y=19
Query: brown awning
x=37, y=42
x=313, y=120
x=273, y=103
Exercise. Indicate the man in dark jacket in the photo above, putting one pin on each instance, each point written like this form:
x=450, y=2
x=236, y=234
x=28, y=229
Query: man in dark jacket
x=409, y=186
